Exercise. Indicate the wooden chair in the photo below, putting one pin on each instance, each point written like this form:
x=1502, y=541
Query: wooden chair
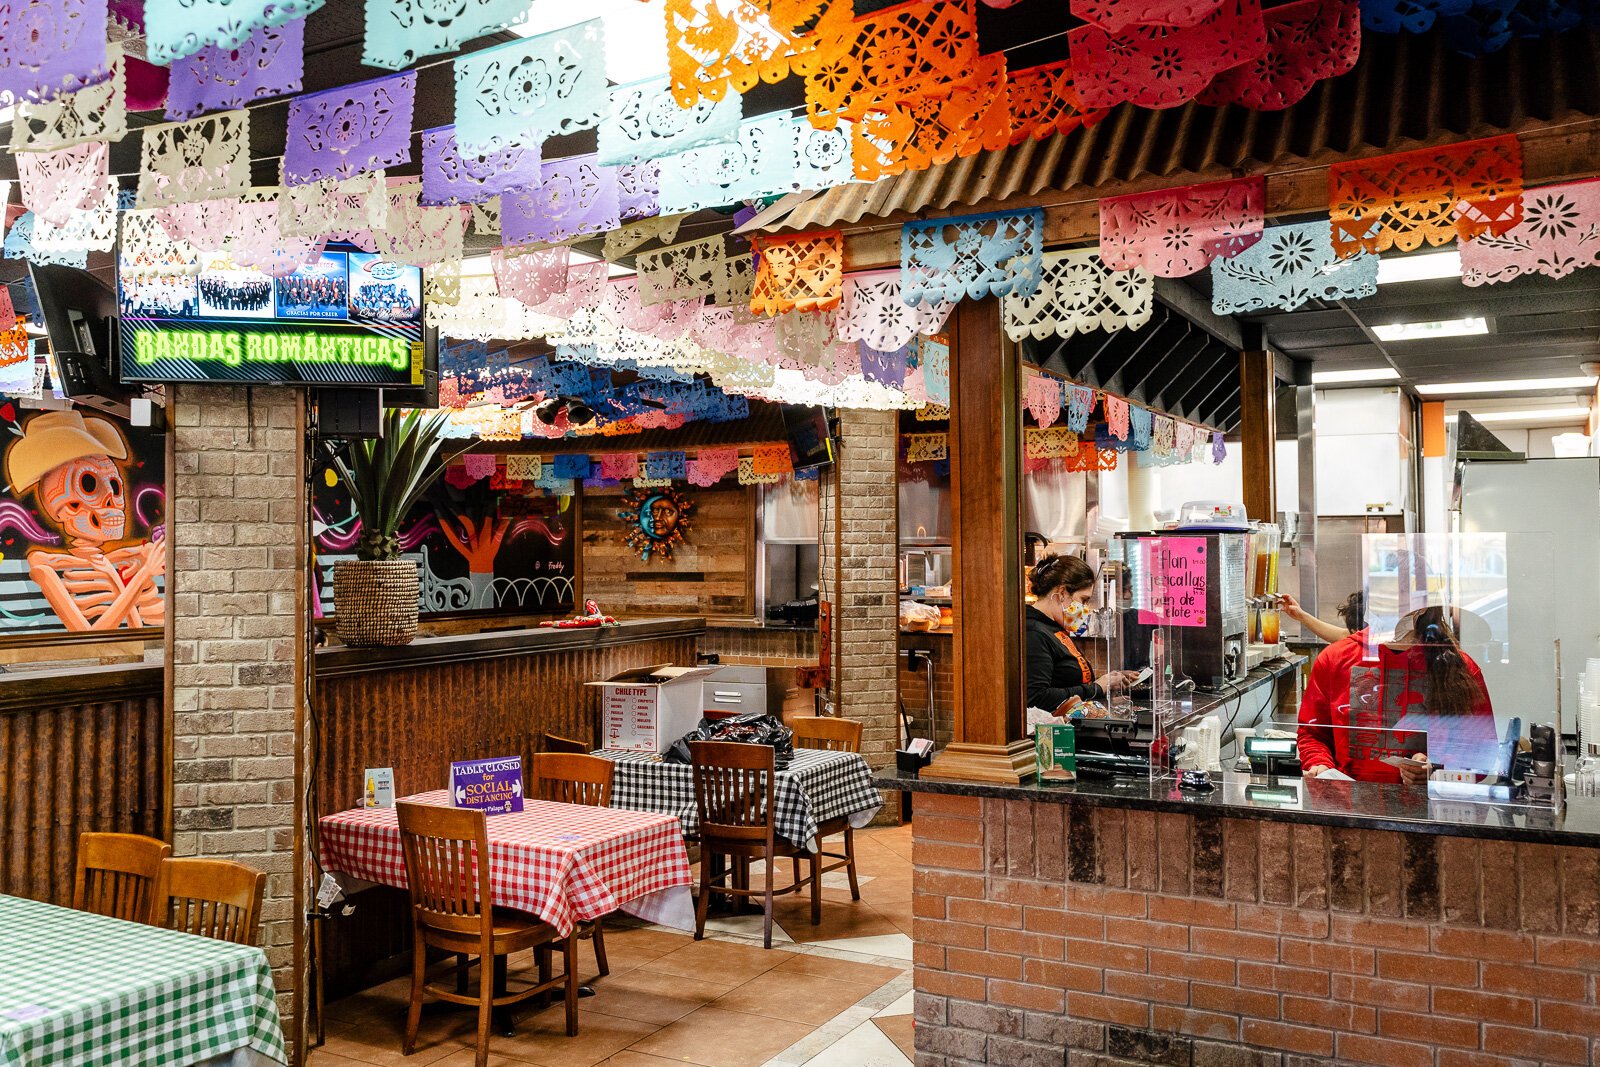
x=557, y=743
x=452, y=908
x=733, y=790
x=117, y=875
x=212, y=898
x=833, y=735
x=570, y=778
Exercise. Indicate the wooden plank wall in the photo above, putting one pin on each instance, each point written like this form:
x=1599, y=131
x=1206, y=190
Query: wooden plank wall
x=417, y=718
x=711, y=573
x=75, y=761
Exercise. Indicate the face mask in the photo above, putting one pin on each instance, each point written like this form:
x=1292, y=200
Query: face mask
x=1075, y=613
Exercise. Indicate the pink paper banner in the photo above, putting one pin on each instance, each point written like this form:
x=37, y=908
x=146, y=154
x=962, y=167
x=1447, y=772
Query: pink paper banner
x=619, y=466
x=1177, y=232
x=1157, y=66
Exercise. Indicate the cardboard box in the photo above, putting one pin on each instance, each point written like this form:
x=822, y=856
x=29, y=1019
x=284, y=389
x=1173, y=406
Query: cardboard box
x=645, y=709
x=1056, y=747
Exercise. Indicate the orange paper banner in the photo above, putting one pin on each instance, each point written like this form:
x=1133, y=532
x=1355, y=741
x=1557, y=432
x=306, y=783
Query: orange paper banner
x=900, y=53
x=1432, y=195
x=798, y=272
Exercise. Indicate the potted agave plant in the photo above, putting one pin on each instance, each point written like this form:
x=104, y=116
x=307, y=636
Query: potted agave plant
x=375, y=595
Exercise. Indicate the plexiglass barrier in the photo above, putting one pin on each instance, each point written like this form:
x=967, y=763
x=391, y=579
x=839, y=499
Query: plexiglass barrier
x=1451, y=686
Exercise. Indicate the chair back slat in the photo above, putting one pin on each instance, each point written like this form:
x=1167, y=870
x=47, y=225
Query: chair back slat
x=117, y=875
x=833, y=735
x=446, y=854
x=732, y=787
x=212, y=898
x=557, y=743
x=571, y=778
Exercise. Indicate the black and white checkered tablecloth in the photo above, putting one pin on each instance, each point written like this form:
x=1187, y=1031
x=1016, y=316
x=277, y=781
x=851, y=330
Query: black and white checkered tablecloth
x=816, y=787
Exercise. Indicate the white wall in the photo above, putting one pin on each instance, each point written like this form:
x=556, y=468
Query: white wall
x=1157, y=489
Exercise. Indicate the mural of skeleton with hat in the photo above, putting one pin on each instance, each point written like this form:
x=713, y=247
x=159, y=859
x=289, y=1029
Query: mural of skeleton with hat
x=70, y=464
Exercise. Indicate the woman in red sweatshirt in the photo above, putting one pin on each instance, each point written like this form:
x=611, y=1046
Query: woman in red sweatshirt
x=1419, y=696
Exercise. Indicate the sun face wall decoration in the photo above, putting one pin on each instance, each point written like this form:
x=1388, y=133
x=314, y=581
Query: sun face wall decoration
x=656, y=520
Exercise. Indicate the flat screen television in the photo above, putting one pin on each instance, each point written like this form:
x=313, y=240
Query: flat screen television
x=77, y=309
x=348, y=319
x=810, y=437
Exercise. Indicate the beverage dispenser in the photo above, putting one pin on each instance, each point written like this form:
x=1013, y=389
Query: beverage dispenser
x=1208, y=646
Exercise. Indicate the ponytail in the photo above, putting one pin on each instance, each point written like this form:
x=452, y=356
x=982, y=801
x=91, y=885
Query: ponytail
x=1452, y=687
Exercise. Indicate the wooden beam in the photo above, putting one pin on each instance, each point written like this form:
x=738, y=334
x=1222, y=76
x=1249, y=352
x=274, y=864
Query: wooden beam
x=1549, y=154
x=1192, y=306
x=1258, y=433
x=986, y=519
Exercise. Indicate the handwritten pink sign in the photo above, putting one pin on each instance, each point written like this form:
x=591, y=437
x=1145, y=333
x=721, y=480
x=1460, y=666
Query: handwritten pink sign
x=1176, y=592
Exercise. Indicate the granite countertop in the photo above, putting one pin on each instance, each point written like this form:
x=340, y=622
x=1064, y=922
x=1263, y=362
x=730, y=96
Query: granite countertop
x=1361, y=805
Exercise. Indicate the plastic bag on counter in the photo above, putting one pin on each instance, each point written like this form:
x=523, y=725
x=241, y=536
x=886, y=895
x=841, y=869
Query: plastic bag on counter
x=757, y=728
x=918, y=616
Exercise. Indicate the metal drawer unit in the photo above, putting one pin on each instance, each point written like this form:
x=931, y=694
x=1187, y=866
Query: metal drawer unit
x=740, y=689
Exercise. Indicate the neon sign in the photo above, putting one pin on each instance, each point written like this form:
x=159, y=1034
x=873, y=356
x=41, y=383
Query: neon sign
x=348, y=318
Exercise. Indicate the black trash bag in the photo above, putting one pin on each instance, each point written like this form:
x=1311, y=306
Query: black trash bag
x=757, y=728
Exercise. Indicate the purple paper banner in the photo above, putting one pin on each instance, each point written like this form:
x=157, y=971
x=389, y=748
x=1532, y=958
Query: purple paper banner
x=448, y=177
x=638, y=190
x=216, y=79
x=885, y=368
x=350, y=130
x=576, y=196
x=50, y=47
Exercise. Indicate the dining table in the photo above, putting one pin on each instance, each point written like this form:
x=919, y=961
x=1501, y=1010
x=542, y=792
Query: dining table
x=84, y=990
x=817, y=786
x=564, y=863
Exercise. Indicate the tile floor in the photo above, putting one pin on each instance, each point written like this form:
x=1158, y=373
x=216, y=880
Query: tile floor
x=834, y=995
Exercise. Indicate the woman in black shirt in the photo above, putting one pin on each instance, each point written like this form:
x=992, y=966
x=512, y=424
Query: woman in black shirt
x=1057, y=671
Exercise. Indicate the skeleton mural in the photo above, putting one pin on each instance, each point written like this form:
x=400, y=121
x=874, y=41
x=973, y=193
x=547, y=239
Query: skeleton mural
x=97, y=579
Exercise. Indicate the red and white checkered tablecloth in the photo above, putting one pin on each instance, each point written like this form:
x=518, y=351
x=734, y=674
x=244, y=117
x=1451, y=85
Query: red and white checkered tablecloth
x=565, y=863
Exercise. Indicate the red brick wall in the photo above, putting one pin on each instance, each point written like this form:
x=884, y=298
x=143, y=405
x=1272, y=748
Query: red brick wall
x=1128, y=937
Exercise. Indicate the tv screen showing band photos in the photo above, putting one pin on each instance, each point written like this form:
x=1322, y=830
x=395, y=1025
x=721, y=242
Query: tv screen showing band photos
x=345, y=318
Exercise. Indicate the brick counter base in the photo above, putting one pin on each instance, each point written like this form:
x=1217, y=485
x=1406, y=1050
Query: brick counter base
x=1064, y=934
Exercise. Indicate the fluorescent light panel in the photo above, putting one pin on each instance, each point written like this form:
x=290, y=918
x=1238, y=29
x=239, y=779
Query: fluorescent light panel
x=1349, y=377
x=1572, y=413
x=1507, y=385
x=1438, y=328
x=1419, y=268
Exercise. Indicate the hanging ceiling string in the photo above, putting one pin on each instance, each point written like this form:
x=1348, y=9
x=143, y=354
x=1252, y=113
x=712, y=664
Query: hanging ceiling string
x=791, y=111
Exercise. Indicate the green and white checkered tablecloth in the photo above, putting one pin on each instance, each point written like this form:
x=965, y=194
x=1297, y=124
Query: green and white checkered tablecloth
x=81, y=990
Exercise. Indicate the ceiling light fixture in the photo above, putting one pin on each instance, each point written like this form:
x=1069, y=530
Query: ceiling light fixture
x=1419, y=268
x=1352, y=377
x=1572, y=413
x=1507, y=385
x=1439, y=328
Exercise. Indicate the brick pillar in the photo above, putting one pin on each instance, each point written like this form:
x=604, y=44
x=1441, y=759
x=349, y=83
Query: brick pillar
x=866, y=665
x=236, y=574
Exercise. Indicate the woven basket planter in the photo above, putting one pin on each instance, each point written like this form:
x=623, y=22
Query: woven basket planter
x=375, y=601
